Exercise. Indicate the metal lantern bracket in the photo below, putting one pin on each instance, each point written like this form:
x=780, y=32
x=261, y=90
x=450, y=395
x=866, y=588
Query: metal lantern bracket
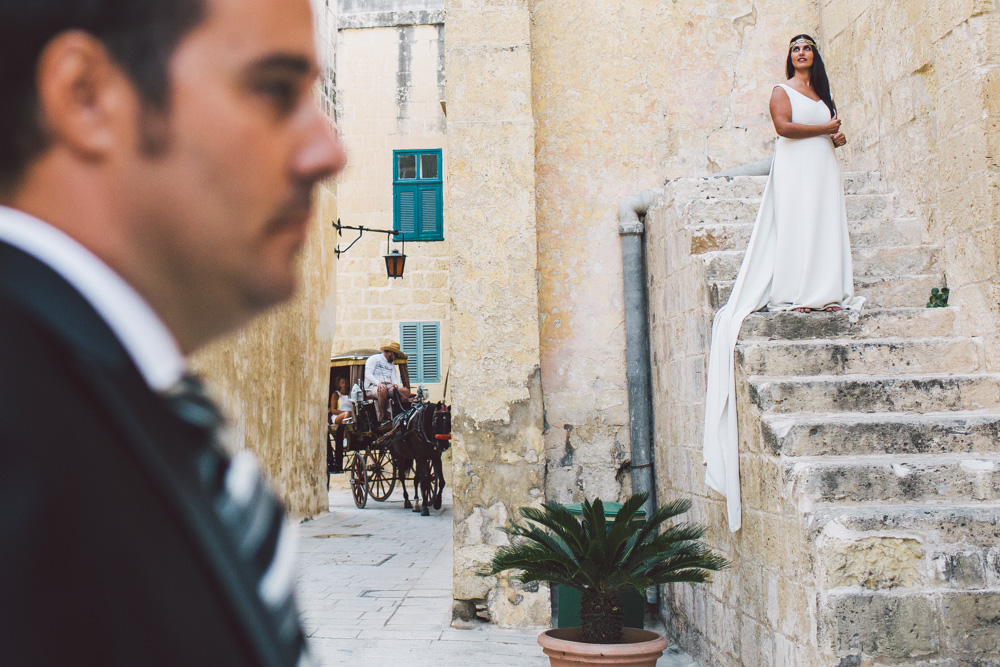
x=394, y=260
x=361, y=229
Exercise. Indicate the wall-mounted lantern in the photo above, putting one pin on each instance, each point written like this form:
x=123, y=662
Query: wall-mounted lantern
x=394, y=262
x=394, y=259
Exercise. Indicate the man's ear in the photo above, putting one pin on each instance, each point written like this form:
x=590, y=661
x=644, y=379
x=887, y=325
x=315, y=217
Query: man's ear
x=83, y=95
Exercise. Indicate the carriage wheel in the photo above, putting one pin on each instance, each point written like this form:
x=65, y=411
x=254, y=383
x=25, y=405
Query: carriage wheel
x=381, y=473
x=359, y=481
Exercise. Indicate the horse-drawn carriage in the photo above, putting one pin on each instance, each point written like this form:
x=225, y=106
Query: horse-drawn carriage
x=377, y=450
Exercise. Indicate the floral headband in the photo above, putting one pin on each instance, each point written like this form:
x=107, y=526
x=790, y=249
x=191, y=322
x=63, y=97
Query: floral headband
x=802, y=40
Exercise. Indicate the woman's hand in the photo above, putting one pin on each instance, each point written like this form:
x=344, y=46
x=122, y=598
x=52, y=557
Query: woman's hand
x=838, y=139
x=833, y=127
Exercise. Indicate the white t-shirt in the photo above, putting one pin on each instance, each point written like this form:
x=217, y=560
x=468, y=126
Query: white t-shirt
x=379, y=370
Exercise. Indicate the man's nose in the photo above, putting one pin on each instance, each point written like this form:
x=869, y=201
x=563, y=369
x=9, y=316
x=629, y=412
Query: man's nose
x=322, y=154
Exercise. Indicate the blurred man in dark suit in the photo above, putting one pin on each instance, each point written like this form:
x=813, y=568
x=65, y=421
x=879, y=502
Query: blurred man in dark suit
x=157, y=159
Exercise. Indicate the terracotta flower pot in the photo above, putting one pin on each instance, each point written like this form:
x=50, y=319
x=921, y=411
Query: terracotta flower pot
x=639, y=648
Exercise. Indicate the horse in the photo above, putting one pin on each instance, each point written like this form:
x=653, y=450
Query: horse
x=419, y=436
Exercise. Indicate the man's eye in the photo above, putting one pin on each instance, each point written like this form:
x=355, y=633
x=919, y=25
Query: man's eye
x=282, y=93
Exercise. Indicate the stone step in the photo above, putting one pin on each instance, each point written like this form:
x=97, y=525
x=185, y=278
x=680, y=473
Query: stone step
x=752, y=187
x=976, y=525
x=868, y=262
x=843, y=357
x=866, y=393
x=884, y=292
x=859, y=434
x=866, y=323
x=897, y=479
x=710, y=187
x=699, y=211
x=864, y=234
x=912, y=627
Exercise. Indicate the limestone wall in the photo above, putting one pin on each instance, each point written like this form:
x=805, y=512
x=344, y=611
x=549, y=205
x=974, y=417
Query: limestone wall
x=496, y=388
x=917, y=84
x=720, y=61
x=599, y=138
x=680, y=334
x=625, y=93
x=271, y=377
x=389, y=83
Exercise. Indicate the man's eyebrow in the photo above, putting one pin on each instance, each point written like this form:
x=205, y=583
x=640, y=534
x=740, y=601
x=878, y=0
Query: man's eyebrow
x=284, y=62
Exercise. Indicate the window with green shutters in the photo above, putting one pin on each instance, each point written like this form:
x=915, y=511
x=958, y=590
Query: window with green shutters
x=421, y=343
x=416, y=195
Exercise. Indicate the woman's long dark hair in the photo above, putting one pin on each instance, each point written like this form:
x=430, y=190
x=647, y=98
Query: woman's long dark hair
x=817, y=73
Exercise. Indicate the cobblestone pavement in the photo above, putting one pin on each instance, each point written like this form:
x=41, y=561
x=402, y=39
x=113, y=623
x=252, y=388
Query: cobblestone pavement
x=375, y=586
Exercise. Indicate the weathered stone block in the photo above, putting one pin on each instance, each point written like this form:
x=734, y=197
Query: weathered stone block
x=955, y=355
x=939, y=524
x=882, y=433
x=882, y=626
x=873, y=562
x=971, y=623
x=959, y=569
x=508, y=26
x=912, y=480
x=868, y=323
x=917, y=393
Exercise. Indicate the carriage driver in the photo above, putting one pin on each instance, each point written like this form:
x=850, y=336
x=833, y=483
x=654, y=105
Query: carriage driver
x=382, y=378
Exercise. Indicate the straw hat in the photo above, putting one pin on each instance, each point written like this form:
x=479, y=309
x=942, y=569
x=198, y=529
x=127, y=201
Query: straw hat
x=394, y=348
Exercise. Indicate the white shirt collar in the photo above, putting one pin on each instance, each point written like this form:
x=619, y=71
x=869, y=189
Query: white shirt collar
x=141, y=332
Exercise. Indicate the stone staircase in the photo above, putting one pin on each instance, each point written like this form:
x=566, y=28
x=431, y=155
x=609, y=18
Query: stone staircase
x=884, y=431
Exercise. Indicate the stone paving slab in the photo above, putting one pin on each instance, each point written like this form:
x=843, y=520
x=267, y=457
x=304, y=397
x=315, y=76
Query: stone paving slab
x=374, y=585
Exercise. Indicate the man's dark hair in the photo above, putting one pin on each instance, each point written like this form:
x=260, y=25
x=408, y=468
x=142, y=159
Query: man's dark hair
x=140, y=35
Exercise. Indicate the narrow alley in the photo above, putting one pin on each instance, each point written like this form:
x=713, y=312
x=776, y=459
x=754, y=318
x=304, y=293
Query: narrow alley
x=375, y=586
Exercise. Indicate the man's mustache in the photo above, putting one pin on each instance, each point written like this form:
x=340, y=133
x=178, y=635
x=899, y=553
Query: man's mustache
x=297, y=207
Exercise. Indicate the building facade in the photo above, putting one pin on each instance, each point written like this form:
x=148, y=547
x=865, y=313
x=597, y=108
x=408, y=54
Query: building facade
x=391, y=113
x=552, y=113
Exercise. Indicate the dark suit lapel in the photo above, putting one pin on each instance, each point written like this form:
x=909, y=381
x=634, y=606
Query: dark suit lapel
x=29, y=282
x=104, y=365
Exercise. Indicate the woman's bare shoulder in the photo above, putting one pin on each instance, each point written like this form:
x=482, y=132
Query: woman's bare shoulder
x=778, y=91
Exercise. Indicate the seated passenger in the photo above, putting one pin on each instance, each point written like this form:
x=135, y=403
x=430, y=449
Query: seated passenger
x=382, y=380
x=340, y=402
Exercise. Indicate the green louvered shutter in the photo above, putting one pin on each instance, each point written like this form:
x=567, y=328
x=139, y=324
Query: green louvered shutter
x=430, y=352
x=421, y=342
x=409, y=342
x=430, y=205
x=406, y=210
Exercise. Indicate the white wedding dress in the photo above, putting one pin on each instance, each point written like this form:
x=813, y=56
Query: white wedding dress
x=799, y=256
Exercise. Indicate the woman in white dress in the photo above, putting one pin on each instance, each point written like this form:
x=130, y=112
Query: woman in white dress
x=799, y=255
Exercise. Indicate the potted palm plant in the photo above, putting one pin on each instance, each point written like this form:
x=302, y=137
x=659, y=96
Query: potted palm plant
x=602, y=559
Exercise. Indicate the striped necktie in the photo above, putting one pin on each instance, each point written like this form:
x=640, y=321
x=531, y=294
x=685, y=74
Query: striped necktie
x=250, y=514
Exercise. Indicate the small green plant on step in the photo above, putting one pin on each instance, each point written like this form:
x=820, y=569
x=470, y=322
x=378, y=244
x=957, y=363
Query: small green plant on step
x=602, y=559
x=939, y=298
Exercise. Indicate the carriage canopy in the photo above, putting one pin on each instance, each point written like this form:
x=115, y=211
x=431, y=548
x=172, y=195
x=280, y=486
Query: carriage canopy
x=351, y=364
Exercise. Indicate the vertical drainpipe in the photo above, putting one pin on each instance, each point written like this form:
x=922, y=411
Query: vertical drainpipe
x=637, y=359
x=637, y=363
